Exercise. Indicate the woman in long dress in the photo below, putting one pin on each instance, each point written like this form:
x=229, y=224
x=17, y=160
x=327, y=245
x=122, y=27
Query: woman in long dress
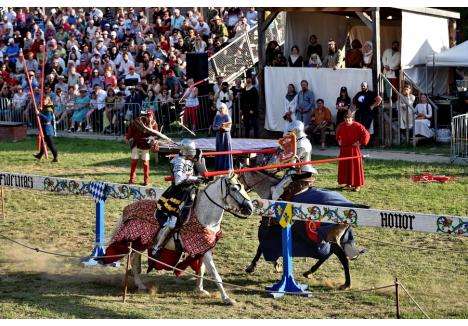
x=290, y=104
x=406, y=108
x=422, y=113
x=222, y=126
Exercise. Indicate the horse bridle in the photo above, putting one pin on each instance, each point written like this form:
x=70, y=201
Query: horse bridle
x=228, y=193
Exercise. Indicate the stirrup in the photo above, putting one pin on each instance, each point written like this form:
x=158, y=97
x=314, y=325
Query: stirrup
x=155, y=250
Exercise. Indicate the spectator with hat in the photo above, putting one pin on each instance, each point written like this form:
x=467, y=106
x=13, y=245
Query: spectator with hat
x=219, y=29
x=202, y=28
x=343, y=103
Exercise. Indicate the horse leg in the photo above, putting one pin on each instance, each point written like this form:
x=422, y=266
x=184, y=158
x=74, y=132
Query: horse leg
x=208, y=260
x=277, y=266
x=253, y=264
x=199, y=287
x=314, y=268
x=338, y=251
x=135, y=259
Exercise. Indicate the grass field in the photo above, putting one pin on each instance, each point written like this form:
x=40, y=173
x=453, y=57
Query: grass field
x=36, y=285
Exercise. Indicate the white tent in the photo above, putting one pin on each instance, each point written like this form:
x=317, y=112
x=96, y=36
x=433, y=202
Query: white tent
x=453, y=57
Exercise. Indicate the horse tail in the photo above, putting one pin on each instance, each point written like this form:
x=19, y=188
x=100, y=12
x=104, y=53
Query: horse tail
x=114, y=230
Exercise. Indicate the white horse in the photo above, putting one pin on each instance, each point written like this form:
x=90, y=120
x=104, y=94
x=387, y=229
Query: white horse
x=224, y=193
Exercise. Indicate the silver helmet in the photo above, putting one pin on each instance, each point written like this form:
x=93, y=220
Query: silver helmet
x=297, y=127
x=188, y=148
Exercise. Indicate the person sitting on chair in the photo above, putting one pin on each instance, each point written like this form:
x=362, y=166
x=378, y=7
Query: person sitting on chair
x=176, y=202
x=320, y=121
x=303, y=152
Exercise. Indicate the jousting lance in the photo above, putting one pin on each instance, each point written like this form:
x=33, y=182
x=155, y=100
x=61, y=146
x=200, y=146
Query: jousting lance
x=271, y=167
x=239, y=152
x=193, y=85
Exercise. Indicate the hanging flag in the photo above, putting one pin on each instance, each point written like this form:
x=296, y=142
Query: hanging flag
x=98, y=191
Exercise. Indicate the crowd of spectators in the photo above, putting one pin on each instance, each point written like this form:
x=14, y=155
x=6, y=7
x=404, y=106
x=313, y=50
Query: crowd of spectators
x=355, y=56
x=316, y=115
x=98, y=60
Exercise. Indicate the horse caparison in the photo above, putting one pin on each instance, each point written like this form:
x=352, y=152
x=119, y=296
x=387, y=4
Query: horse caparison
x=226, y=193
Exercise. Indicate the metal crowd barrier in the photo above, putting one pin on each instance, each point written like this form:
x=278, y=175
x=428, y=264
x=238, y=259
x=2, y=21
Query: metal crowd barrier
x=113, y=119
x=241, y=53
x=459, y=140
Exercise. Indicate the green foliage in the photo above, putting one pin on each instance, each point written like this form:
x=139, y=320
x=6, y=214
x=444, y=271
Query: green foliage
x=36, y=285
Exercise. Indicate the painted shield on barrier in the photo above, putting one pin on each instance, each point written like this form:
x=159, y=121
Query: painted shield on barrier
x=288, y=145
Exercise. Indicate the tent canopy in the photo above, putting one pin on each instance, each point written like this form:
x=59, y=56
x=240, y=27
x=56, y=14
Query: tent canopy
x=453, y=57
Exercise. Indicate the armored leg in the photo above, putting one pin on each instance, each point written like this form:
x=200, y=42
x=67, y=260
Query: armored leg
x=278, y=190
x=163, y=233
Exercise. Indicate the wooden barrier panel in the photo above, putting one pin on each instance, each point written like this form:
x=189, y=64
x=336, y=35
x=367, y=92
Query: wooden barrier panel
x=76, y=186
x=100, y=192
x=386, y=219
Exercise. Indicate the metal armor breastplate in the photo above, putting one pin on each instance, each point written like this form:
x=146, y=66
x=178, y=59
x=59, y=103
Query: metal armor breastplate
x=304, y=151
x=181, y=168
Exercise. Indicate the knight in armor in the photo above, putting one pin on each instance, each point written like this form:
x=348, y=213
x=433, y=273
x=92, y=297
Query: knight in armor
x=140, y=140
x=177, y=201
x=303, y=154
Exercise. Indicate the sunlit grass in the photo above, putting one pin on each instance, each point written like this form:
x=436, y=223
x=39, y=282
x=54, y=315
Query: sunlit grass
x=35, y=285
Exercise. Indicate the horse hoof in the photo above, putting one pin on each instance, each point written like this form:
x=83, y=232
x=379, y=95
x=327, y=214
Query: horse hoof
x=307, y=275
x=142, y=289
x=250, y=269
x=344, y=287
x=203, y=293
x=229, y=302
x=278, y=268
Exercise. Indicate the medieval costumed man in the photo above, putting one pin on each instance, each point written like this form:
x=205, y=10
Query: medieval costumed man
x=139, y=139
x=303, y=154
x=177, y=201
x=350, y=135
x=47, y=121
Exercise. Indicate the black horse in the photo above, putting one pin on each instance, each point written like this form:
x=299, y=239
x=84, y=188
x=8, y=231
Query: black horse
x=317, y=240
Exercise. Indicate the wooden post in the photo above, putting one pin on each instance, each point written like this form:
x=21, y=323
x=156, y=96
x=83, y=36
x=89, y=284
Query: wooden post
x=397, y=300
x=126, y=274
x=3, y=202
x=376, y=63
x=261, y=65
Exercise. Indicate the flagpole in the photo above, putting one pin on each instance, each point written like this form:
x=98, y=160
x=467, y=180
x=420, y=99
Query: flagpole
x=40, y=136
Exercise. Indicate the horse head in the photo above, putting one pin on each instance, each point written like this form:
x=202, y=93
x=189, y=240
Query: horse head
x=235, y=198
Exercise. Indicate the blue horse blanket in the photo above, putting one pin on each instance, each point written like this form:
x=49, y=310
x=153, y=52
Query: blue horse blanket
x=308, y=237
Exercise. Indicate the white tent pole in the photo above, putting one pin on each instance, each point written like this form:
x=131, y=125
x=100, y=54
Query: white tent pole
x=426, y=77
x=433, y=68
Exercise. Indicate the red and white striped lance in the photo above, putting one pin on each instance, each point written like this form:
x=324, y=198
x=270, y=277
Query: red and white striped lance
x=238, y=152
x=271, y=167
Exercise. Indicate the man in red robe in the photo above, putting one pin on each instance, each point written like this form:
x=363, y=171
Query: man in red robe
x=350, y=135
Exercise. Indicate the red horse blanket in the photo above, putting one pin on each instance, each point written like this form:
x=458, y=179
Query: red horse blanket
x=140, y=227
